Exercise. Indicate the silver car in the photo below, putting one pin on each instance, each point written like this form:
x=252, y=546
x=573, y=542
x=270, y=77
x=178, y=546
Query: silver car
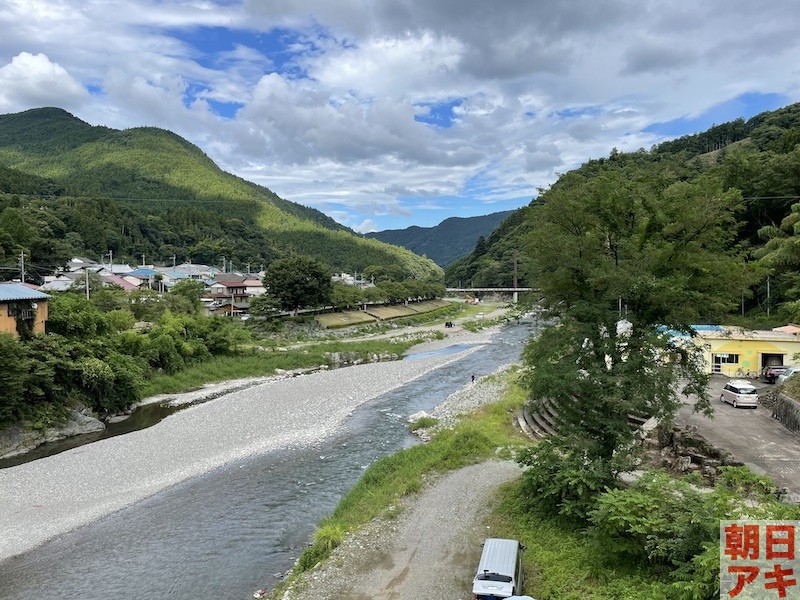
x=739, y=392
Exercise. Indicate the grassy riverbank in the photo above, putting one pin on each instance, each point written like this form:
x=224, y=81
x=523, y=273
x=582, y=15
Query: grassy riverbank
x=260, y=363
x=292, y=349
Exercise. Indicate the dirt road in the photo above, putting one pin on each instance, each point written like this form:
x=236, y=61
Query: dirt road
x=430, y=551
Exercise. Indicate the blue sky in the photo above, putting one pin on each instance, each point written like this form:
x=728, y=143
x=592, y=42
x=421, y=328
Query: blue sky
x=390, y=114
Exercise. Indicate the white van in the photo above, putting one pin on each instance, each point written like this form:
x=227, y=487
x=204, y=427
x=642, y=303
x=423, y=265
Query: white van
x=499, y=570
x=739, y=392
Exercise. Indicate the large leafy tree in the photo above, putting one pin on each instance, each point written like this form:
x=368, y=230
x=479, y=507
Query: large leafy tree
x=298, y=282
x=621, y=257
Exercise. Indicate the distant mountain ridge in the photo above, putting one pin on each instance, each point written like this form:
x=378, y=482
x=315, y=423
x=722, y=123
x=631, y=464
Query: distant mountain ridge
x=447, y=241
x=146, y=190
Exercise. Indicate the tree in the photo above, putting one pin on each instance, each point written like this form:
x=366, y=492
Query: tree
x=480, y=247
x=190, y=289
x=621, y=244
x=345, y=296
x=393, y=291
x=72, y=315
x=298, y=282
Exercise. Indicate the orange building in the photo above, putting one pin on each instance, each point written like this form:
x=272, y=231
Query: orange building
x=22, y=304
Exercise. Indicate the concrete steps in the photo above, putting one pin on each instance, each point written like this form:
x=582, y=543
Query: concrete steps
x=545, y=421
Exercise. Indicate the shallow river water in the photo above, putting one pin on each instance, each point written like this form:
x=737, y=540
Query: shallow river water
x=234, y=530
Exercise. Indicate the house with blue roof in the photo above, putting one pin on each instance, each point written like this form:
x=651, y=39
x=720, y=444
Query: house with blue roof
x=22, y=306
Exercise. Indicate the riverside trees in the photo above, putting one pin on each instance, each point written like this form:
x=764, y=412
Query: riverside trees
x=622, y=254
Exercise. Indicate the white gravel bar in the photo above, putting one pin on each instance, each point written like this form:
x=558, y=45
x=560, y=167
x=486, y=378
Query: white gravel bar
x=51, y=496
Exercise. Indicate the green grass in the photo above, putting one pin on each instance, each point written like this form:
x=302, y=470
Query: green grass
x=389, y=312
x=423, y=423
x=222, y=368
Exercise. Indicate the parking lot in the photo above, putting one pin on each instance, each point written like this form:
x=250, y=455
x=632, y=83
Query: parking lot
x=750, y=435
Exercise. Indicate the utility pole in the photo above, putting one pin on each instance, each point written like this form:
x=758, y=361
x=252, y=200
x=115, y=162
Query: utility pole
x=516, y=254
x=767, y=295
x=142, y=260
x=223, y=264
x=173, y=261
x=86, y=281
x=22, y=266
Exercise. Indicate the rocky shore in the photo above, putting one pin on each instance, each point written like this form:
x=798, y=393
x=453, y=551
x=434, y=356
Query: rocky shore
x=16, y=439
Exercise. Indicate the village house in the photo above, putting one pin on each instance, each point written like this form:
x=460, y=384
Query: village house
x=21, y=304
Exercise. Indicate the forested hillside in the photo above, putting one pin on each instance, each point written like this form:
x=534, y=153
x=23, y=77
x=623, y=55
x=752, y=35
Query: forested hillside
x=759, y=160
x=445, y=242
x=68, y=188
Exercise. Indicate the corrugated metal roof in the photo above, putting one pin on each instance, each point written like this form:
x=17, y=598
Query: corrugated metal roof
x=17, y=291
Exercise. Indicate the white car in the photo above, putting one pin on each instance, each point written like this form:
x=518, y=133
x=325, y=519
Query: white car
x=739, y=392
x=788, y=373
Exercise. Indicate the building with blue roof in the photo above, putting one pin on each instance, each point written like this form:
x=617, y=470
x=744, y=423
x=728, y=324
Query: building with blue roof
x=22, y=305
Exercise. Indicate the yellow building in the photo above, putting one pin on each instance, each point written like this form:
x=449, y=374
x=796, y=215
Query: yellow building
x=19, y=303
x=738, y=352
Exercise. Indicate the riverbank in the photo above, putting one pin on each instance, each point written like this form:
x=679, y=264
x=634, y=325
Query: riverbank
x=388, y=557
x=92, y=481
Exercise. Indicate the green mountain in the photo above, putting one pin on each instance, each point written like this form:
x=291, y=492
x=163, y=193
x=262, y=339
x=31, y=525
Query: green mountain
x=445, y=242
x=760, y=158
x=148, y=191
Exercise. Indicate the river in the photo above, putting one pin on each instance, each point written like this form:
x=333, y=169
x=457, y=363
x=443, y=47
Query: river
x=236, y=529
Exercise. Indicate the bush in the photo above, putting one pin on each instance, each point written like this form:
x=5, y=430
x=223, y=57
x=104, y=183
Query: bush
x=562, y=478
x=13, y=366
x=659, y=520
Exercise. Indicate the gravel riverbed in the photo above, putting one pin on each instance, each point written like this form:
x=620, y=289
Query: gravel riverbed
x=53, y=495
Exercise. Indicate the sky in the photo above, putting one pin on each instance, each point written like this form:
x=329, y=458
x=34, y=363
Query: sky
x=389, y=113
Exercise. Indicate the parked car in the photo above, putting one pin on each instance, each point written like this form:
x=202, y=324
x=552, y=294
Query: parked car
x=499, y=570
x=788, y=373
x=739, y=392
x=770, y=374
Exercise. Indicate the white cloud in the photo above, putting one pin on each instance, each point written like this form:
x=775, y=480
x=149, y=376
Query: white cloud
x=32, y=80
x=330, y=120
x=366, y=226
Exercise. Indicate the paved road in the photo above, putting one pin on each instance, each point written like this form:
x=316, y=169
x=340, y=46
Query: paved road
x=752, y=436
